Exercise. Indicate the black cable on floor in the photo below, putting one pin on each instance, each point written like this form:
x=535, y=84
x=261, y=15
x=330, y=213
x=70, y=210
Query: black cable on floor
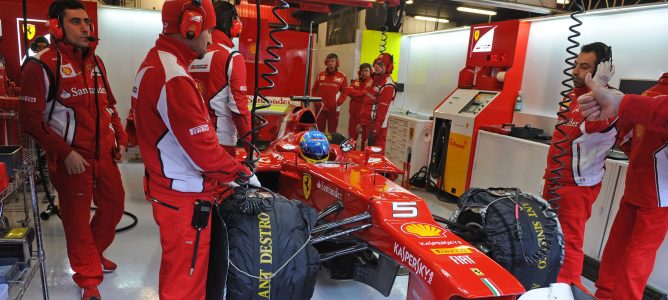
x=421, y=179
x=134, y=218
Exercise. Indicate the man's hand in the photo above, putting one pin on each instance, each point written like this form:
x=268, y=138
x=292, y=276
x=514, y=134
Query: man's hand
x=601, y=103
x=252, y=181
x=604, y=72
x=75, y=163
x=121, y=154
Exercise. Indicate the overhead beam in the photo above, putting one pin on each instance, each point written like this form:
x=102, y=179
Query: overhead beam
x=519, y=5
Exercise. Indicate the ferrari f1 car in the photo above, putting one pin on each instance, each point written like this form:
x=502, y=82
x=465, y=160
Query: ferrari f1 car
x=366, y=214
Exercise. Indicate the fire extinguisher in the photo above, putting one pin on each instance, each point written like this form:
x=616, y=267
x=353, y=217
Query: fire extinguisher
x=3, y=77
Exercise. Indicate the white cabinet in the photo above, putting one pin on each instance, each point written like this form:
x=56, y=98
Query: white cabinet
x=503, y=161
x=408, y=133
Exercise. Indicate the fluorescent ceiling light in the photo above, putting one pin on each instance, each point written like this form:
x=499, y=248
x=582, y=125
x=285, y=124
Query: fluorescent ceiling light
x=563, y=1
x=423, y=18
x=409, y=2
x=476, y=11
x=509, y=5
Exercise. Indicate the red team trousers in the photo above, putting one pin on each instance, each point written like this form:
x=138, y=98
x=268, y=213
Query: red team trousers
x=327, y=120
x=177, y=237
x=87, y=238
x=574, y=211
x=629, y=255
x=354, y=110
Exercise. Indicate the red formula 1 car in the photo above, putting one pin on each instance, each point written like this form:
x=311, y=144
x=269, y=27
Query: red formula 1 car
x=364, y=213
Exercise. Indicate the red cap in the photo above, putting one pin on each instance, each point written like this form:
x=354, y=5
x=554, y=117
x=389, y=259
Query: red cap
x=172, y=11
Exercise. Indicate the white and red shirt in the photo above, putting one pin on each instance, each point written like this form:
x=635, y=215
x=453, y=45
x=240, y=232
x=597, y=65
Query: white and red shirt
x=82, y=114
x=589, y=143
x=376, y=106
x=330, y=87
x=176, y=138
x=221, y=79
x=644, y=120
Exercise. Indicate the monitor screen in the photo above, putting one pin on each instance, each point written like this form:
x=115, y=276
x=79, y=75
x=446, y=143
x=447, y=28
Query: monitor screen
x=635, y=86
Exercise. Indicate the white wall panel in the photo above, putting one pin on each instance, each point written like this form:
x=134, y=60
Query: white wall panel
x=126, y=36
x=432, y=68
x=412, y=25
x=638, y=40
x=150, y=4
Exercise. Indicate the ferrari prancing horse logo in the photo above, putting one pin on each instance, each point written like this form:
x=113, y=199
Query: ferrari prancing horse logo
x=31, y=31
x=306, y=185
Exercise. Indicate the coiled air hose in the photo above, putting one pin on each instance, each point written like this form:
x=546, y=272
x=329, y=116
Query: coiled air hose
x=245, y=202
x=554, y=182
x=395, y=21
x=383, y=38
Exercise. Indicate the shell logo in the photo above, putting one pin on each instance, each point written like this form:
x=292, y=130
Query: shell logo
x=639, y=131
x=67, y=70
x=253, y=48
x=422, y=230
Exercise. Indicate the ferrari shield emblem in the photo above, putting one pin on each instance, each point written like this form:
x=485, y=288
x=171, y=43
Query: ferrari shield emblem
x=306, y=185
x=31, y=31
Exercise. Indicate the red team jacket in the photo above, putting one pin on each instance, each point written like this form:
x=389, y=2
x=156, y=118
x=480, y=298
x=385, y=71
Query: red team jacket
x=643, y=120
x=330, y=87
x=589, y=144
x=227, y=101
x=177, y=140
x=379, y=97
x=650, y=112
x=76, y=119
x=357, y=89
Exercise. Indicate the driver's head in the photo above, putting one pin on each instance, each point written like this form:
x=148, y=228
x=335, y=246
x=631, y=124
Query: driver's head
x=314, y=146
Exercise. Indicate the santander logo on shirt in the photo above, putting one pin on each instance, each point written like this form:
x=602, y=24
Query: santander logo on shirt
x=75, y=92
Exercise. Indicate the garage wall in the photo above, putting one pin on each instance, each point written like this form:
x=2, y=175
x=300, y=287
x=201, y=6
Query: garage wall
x=430, y=67
x=126, y=36
x=637, y=37
x=433, y=60
x=150, y=4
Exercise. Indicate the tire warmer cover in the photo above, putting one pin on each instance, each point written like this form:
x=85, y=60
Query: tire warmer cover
x=260, y=245
x=534, y=253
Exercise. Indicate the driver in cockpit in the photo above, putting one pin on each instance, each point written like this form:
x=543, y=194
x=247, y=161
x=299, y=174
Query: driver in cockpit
x=314, y=147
